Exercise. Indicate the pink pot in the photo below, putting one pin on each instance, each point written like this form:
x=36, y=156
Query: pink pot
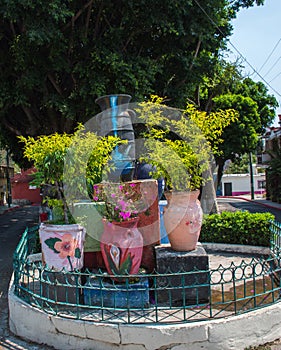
x=183, y=219
x=121, y=246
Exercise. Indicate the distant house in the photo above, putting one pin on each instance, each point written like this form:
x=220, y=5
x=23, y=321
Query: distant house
x=22, y=190
x=240, y=184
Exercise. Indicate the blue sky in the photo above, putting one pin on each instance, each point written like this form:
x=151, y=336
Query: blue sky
x=257, y=38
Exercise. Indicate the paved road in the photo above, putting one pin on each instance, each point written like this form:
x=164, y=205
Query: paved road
x=12, y=225
x=252, y=207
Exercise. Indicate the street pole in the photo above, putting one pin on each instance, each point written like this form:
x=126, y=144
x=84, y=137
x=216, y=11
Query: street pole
x=251, y=176
x=9, y=192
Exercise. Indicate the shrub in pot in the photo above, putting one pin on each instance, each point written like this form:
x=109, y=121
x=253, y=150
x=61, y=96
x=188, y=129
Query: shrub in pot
x=62, y=240
x=178, y=145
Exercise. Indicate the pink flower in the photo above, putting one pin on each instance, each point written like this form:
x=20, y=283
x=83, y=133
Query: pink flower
x=132, y=185
x=96, y=188
x=113, y=195
x=123, y=204
x=66, y=247
x=96, y=198
x=125, y=214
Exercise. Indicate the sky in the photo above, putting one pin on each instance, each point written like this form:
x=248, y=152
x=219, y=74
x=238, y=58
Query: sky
x=256, y=41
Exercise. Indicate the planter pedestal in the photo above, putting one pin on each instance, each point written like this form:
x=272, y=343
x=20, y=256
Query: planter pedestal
x=188, y=289
x=61, y=287
x=133, y=295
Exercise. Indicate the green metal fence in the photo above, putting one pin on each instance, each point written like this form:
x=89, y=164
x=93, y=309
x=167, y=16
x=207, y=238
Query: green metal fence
x=155, y=298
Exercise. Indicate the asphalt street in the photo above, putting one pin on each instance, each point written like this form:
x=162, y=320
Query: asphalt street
x=12, y=225
x=253, y=206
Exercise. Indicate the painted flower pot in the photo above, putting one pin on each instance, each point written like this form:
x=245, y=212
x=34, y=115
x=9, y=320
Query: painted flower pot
x=62, y=246
x=183, y=219
x=121, y=247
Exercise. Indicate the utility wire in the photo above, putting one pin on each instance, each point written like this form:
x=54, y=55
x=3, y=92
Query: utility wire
x=239, y=53
x=274, y=64
x=276, y=76
x=265, y=62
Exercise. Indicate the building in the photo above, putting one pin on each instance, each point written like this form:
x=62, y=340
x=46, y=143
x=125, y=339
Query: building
x=240, y=184
x=22, y=190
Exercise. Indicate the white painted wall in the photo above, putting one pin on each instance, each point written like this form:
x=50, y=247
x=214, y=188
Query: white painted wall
x=241, y=183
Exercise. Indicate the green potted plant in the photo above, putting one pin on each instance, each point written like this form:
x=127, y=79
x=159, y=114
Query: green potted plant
x=58, y=157
x=178, y=145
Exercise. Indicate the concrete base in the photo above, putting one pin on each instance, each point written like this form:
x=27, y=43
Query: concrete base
x=190, y=288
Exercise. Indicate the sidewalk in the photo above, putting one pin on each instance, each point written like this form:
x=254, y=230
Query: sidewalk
x=6, y=208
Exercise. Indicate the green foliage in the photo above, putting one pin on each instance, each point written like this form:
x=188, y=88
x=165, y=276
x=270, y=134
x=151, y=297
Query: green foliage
x=78, y=160
x=240, y=165
x=178, y=143
x=57, y=57
x=237, y=228
x=273, y=173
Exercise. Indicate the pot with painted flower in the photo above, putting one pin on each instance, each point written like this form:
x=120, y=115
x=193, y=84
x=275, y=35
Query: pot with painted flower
x=62, y=246
x=121, y=241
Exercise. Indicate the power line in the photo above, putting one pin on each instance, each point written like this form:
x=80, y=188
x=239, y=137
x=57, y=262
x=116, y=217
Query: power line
x=274, y=64
x=265, y=62
x=239, y=53
x=276, y=76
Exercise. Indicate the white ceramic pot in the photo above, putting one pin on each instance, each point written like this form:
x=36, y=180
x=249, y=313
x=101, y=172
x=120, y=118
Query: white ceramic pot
x=183, y=219
x=62, y=246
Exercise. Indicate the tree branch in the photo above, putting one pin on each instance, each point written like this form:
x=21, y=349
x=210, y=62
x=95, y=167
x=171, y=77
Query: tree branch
x=78, y=14
x=196, y=53
x=55, y=85
x=88, y=19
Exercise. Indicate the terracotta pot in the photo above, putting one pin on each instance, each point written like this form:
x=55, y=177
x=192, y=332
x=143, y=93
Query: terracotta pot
x=183, y=219
x=122, y=247
x=62, y=246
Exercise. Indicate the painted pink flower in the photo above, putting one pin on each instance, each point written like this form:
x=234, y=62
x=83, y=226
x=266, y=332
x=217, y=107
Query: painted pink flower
x=66, y=247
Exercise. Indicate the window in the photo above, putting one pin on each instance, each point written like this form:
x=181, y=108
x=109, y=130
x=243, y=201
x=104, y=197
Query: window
x=261, y=184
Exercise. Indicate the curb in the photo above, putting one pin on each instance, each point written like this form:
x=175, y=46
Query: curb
x=9, y=209
x=253, y=201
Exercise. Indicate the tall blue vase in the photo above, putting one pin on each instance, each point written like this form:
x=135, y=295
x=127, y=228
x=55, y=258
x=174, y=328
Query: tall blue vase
x=115, y=120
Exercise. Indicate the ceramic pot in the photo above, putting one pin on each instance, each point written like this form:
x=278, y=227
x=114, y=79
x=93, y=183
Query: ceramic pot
x=62, y=246
x=183, y=219
x=121, y=246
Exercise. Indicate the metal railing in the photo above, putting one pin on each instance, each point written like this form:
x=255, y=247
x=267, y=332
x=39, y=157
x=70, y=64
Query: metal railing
x=155, y=298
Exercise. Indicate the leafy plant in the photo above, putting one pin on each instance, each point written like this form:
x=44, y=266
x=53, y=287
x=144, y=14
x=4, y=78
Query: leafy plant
x=178, y=143
x=79, y=159
x=237, y=228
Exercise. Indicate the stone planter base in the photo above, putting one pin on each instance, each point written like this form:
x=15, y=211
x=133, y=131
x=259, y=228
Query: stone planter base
x=188, y=289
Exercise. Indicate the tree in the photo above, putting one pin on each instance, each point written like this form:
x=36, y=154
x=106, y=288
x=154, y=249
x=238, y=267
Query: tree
x=240, y=165
x=228, y=89
x=241, y=136
x=57, y=57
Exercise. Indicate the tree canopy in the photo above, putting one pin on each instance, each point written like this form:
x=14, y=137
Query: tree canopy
x=58, y=56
